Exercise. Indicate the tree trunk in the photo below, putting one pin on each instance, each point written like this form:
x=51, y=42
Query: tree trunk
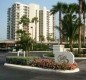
x=84, y=20
x=71, y=45
x=79, y=47
x=60, y=26
x=80, y=12
x=53, y=25
x=35, y=31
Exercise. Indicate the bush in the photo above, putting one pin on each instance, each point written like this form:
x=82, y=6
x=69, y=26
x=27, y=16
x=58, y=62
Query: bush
x=17, y=60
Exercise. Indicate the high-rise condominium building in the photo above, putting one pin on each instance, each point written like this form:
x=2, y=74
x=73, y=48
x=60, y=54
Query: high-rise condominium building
x=45, y=24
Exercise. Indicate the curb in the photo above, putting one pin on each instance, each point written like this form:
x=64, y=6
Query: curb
x=41, y=69
x=80, y=58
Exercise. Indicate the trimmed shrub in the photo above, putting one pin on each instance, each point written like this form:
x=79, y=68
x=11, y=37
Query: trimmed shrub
x=19, y=60
x=16, y=60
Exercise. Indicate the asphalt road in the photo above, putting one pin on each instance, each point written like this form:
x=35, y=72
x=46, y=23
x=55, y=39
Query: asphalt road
x=10, y=73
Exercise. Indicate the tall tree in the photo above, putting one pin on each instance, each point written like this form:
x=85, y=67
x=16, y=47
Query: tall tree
x=35, y=20
x=78, y=8
x=59, y=7
x=25, y=21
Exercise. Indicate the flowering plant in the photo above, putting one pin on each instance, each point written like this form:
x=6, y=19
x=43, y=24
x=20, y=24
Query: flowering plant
x=51, y=64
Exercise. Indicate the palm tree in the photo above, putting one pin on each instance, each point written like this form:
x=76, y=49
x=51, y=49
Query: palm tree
x=59, y=7
x=70, y=25
x=35, y=20
x=25, y=21
x=78, y=9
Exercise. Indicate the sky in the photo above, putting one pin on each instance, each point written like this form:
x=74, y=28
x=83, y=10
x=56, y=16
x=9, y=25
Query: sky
x=5, y=4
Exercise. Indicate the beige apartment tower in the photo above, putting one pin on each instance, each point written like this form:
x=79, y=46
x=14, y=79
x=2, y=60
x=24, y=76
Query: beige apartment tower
x=45, y=24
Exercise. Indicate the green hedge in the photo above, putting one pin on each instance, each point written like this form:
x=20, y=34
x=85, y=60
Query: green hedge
x=49, y=55
x=19, y=60
x=74, y=46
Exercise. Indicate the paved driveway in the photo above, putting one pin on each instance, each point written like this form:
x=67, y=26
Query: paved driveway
x=9, y=73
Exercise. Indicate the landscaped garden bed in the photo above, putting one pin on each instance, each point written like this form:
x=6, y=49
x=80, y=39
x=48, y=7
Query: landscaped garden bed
x=41, y=63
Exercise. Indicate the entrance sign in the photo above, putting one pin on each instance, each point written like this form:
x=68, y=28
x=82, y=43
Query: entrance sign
x=61, y=56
